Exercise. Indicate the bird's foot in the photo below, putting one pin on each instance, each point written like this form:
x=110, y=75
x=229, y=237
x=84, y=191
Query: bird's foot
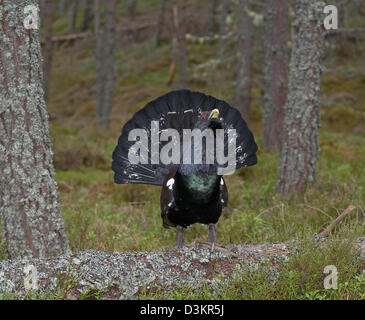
x=180, y=236
x=213, y=246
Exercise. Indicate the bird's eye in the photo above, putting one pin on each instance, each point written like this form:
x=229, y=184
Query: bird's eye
x=203, y=116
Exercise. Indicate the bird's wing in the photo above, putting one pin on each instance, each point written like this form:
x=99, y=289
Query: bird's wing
x=223, y=193
x=167, y=200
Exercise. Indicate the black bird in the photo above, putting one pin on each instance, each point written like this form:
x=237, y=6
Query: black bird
x=191, y=192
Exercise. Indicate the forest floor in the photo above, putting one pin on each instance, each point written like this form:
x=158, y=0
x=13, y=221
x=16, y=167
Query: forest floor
x=102, y=215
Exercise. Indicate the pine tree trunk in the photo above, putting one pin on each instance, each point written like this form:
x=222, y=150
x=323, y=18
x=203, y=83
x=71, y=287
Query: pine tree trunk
x=357, y=7
x=105, y=43
x=276, y=78
x=97, y=5
x=212, y=23
x=88, y=15
x=299, y=153
x=179, y=43
x=47, y=60
x=63, y=5
x=32, y=224
x=73, y=17
x=160, y=20
x=261, y=46
x=132, y=8
x=243, y=82
x=223, y=28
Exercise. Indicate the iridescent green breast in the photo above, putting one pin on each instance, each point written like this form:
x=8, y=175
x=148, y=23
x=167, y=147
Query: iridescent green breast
x=200, y=186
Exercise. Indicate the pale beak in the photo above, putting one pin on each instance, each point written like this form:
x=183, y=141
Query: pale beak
x=214, y=114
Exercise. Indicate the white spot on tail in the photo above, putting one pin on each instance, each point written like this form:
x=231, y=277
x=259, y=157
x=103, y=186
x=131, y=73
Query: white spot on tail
x=170, y=183
x=222, y=182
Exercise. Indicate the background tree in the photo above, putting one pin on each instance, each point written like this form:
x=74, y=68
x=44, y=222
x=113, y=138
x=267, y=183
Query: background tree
x=88, y=15
x=132, y=8
x=178, y=47
x=32, y=225
x=212, y=22
x=73, y=17
x=300, y=148
x=160, y=21
x=276, y=72
x=243, y=77
x=223, y=30
x=104, y=59
x=63, y=5
x=261, y=33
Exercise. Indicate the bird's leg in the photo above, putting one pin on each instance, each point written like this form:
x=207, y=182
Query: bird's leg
x=212, y=238
x=212, y=234
x=180, y=236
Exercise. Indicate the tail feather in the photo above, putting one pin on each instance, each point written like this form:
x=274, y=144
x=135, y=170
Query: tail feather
x=180, y=110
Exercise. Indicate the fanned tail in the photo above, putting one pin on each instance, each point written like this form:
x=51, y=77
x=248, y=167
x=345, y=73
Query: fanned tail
x=178, y=110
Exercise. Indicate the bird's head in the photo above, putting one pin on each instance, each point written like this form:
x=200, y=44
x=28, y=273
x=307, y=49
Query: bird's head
x=214, y=114
x=213, y=121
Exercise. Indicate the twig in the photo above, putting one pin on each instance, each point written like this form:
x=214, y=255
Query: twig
x=349, y=209
x=171, y=73
x=268, y=209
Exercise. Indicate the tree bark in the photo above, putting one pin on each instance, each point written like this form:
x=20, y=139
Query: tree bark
x=73, y=16
x=223, y=28
x=212, y=22
x=261, y=48
x=179, y=43
x=358, y=6
x=299, y=153
x=105, y=44
x=88, y=15
x=63, y=6
x=160, y=21
x=32, y=224
x=132, y=8
x=48, y=47
x=276, y=77
x=243, y=82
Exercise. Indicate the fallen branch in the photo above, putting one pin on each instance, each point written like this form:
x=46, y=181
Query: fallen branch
x=334, y=223
x=82, y=35
x=125, y=275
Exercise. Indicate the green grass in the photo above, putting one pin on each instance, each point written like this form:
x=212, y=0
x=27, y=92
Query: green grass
x=127, y=217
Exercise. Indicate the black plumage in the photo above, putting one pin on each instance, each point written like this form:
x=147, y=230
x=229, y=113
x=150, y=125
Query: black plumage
x=190, y=193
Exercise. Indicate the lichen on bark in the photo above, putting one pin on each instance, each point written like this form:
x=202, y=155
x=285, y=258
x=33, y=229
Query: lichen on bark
x=299, y=152
x=32, y=225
